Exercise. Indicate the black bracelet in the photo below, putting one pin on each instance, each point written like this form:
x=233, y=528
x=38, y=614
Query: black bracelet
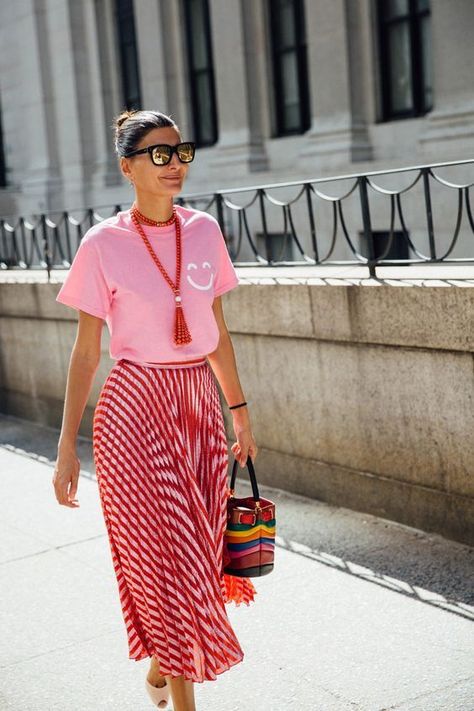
x=241, y=404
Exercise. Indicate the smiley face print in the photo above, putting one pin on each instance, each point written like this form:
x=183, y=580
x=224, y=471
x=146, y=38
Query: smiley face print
x=200, y=275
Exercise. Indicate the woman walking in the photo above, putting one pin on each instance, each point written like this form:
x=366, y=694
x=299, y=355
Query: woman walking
x=155, y=274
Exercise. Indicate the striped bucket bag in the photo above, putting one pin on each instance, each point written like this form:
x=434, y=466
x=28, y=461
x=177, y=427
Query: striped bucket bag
x=249, y=539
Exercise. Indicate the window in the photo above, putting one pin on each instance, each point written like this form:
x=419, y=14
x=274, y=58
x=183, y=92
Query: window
x=278, y=248
x=200, y=71
x=3, y=167
x=405, y=53
x=125, y=23
x=398, y=248
x=289, y=61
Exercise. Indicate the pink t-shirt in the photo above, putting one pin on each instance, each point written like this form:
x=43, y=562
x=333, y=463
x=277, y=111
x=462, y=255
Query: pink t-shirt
x=113, y=276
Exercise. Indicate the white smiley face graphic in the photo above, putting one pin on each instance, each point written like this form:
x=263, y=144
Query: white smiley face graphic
x=207, y=278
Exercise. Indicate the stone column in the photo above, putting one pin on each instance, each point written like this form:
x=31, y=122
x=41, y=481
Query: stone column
x=337, y=135
x=150, y=36
x=54, y=30
x=237, y=149
x=109, y=66
x=258, y=94
x=67, y=123
x=450, y=125
x=360, y=39
x=87, y=100
x=27, y=101
x=178, y=103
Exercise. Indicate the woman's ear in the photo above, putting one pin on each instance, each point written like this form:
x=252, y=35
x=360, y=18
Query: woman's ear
x=125, y=169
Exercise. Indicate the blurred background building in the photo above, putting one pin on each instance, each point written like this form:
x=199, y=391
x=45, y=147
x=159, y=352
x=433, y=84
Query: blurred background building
x=270, y=90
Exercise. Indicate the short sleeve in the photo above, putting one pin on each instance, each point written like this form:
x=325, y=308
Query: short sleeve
x=226, y=277
x=85, y=286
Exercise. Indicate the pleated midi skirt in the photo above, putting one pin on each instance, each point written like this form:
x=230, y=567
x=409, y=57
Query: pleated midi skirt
x=161, y=461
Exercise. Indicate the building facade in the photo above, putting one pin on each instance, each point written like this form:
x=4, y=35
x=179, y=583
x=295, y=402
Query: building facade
x=270, y=90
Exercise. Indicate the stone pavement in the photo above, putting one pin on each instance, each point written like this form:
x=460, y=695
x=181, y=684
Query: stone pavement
x=360, y=613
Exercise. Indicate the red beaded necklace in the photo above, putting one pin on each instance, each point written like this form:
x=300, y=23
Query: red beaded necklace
x=181, y=332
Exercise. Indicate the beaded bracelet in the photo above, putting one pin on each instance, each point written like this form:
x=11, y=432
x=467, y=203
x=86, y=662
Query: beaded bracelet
x=241, y=404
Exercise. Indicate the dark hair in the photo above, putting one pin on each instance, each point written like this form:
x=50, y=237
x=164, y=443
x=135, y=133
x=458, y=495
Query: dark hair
x=130, y=127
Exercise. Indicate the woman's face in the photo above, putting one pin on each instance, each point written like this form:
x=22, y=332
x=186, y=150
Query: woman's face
x=147, y=177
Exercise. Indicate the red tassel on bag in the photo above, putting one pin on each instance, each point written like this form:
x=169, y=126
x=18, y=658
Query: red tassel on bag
x=237, y=590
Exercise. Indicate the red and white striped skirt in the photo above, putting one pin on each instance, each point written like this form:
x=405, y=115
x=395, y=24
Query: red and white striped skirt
x=161, y=460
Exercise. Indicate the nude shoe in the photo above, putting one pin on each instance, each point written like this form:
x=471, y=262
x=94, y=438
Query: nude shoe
x=159, y=695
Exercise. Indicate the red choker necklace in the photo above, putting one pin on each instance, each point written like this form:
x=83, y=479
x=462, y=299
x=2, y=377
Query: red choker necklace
x=154, y=223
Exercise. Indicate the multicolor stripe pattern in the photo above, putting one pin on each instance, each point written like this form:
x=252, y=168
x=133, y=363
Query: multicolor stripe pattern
x=161, y=459
x=249, y=539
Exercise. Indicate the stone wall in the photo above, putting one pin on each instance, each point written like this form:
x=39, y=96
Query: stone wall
x=359, y=396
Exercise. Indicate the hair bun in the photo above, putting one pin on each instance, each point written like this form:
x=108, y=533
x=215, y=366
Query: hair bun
x=121, y=118
x=128, y=134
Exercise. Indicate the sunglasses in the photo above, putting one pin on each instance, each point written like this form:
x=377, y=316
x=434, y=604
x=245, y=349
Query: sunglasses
x=161, y=153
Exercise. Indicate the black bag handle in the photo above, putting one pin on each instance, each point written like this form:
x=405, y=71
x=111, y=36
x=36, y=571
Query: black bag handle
x=253, y=478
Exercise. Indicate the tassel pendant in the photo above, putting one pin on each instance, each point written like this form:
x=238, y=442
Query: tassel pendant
x=181, y=332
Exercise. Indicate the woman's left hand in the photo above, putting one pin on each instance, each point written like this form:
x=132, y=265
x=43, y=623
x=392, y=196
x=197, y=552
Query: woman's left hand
x=245, y=445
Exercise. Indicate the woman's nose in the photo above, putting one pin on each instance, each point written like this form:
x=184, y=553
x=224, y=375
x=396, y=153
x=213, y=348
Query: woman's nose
x=175, y=159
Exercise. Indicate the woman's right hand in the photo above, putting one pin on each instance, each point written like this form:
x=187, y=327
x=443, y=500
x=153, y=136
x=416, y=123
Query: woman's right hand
x=66, y=477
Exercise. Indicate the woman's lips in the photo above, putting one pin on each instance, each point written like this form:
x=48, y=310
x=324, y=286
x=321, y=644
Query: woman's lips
x=176, y=178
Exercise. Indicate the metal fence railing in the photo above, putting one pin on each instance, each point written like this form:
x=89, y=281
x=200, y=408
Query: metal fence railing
x=354, y=219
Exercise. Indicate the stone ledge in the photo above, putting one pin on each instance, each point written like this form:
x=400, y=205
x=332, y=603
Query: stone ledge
x=337, y=275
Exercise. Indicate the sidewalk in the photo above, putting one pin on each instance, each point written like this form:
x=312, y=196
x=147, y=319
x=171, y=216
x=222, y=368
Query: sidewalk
x=360, y=613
